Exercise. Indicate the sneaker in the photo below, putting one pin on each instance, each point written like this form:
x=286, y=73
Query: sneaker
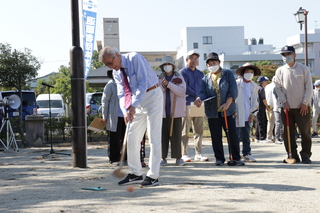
x=200, y=157
x=279, y=142
x=131, y=179
x=219, y=163
x=163, y=162
x=271, y=140
x=314, y=134
x=240, y=163
x=249, y=158
x=256, y=141
x=148, y=181
x=180, y=162
x=116, y=163
x=306, y=160
x=185, y=158
x=265, y=141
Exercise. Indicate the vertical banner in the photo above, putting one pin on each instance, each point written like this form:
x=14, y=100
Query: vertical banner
x=89, y=11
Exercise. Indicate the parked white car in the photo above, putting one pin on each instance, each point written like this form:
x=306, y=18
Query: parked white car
x=57, y=105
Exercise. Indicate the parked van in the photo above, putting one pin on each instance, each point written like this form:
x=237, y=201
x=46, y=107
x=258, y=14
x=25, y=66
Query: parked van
x=28, y=101
x=57, y=105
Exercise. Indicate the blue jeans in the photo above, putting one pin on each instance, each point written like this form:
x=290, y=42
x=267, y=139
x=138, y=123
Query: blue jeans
x=244, y=134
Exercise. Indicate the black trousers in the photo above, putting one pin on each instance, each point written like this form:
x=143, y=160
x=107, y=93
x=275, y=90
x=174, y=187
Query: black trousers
x=216, y=125
x=116, y=140
x=261, y=125
x=175, y=139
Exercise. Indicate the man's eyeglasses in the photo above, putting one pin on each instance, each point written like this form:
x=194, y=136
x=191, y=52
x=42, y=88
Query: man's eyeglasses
x=108, y=64
x=193, y=59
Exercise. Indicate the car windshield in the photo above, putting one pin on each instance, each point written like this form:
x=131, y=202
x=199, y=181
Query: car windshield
x=45, y=103
x=96, y=99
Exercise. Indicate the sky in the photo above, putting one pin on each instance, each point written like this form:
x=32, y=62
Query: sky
x=44, y=26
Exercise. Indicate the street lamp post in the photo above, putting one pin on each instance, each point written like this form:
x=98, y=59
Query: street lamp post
x=301, y=18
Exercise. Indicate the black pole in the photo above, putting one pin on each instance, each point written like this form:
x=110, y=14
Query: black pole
x=50, y=122
x=78, y=117
x=305, y=39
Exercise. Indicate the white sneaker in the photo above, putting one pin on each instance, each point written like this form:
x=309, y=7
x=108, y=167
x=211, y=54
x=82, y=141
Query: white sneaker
x=185, y=158
x=200, y=157
x=279, y=142
x=249, y=158
x=256, y=141
x=265, y=141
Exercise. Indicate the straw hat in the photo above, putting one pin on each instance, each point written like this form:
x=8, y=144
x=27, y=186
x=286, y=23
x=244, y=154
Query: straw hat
x=240, y=71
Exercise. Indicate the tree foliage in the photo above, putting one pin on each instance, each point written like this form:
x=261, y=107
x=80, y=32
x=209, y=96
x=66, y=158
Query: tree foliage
x=17, y=67
x=96, y=63
x=267, y=68
x=62, y=84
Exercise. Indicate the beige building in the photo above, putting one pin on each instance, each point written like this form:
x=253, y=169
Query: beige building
x=98, y=77
x=110, y=33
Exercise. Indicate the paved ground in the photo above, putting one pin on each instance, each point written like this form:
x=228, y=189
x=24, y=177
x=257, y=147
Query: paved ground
x=30, y=183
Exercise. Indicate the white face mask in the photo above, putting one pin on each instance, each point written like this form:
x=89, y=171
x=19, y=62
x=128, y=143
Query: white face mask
x=248, y=76
x=167, y=68
x=287, y=59
x=214, y=68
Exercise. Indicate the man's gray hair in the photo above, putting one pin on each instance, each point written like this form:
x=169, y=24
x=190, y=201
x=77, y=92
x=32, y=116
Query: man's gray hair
x=110, y=51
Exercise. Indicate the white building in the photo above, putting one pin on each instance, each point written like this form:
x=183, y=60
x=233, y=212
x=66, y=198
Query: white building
x=228, y=41
x=234, y=50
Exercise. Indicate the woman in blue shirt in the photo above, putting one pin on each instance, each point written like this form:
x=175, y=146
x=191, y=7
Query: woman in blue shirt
x=220, y=84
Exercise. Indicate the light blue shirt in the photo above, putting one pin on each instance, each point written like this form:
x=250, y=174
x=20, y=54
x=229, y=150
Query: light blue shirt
x=140, y=76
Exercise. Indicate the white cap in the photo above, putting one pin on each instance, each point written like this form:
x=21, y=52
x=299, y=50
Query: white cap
x=317, y=83
x=192, y=52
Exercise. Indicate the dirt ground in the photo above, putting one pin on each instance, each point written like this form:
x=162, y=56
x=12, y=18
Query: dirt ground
x=31, y=183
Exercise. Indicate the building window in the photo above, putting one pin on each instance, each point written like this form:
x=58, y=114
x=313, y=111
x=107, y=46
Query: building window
x=207, y=39
x=204, y=56
x=158, y=59
x=195, y=45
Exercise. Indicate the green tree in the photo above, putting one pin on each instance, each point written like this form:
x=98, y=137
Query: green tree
x=267, y=68
x=17, y=67
x=61, y=82
x=96, y=63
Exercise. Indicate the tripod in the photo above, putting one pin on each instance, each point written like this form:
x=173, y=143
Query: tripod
x=50, y=125
x=11, y=140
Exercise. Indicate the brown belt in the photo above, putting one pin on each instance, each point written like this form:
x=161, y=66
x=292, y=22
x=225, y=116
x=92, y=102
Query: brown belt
x=153, y=87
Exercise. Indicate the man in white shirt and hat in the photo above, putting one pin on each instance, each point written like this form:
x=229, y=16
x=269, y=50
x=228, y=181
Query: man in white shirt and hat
x=315, y=107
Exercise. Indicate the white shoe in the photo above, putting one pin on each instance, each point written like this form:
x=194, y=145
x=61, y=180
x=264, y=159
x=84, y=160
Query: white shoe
x=185, y=158
x=270, y=140
x=279, y=142
x=200, y=157
x=256, y=141
x=265, y=141
x=249, y=158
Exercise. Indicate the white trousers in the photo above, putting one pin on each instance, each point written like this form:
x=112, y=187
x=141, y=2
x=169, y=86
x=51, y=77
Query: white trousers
x=148, y=116
x=315, y=116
